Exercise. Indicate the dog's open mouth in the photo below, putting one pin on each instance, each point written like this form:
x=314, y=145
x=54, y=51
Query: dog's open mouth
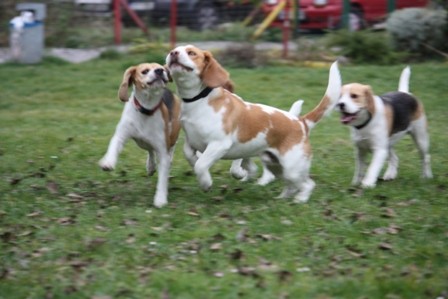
x=347, y=118
x=176, y=63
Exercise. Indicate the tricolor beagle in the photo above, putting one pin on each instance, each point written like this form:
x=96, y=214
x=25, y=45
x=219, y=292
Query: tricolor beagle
x=378, y=122
x=220, y=125
x=151, y=118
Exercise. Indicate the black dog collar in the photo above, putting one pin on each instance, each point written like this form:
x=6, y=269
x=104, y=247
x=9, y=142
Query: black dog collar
x=205, y=92
x=145, y=111
x=365, y=123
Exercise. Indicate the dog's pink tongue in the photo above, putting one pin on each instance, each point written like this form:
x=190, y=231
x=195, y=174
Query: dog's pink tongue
x=347, y=118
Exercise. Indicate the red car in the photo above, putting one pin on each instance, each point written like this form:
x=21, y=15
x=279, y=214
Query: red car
x=327, y=14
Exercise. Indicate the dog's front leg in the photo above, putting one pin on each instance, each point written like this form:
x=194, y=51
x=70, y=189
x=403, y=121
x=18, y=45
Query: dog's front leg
x=116, y=145
x=360, y=165
x=213, y=152
x=378, y=159
x=163, y=169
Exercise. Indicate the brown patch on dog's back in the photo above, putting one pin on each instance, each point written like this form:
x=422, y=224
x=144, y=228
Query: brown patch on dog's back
x=249, y=120
x=285, y=132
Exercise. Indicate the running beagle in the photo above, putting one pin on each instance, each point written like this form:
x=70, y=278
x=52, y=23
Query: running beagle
x=151, y=118
x=378, y=122
x=221, y=125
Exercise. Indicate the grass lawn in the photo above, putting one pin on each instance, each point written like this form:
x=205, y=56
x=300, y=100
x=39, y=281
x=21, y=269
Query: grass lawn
x=70, y=230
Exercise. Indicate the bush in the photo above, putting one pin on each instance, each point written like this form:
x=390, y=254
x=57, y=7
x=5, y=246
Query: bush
x=364, y=47
x=417, y=30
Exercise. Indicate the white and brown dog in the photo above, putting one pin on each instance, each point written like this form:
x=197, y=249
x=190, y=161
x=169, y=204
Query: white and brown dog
x=378, y=122
x=220, y=125
x=151, y=118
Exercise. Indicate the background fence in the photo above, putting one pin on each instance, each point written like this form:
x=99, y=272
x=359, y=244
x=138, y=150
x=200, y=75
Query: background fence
x=76, y=26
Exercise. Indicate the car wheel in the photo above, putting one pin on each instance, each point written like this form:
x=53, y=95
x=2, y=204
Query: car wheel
x=355, y=19
x=206, y=17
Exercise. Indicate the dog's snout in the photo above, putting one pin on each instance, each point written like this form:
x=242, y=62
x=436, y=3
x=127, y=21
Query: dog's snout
x=159, y=72
x=174, y=53
x=341, y=106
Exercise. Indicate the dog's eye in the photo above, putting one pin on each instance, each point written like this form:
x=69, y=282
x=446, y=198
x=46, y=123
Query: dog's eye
x=191, y=53
x=144, y=72
x=353, y=96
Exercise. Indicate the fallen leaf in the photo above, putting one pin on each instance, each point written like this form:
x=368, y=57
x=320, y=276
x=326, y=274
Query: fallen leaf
x=216, y=247
x=193, y=213
x=129, y=222
x=101, y=228
x=66, y=221
x=385, y=246
x=241, y=235
x=131, y=239
x=34, y=214
x=388, y=213
x=218, y=274
x=91, y=244
x=237, y=255
x=284, y=276
x=52, y=187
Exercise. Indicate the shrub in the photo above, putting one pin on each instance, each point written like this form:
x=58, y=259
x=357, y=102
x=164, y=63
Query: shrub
x=364, y=46
x=417, y=30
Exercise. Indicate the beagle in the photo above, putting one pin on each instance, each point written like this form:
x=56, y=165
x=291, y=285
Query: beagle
x=378, y=122
x=151, y=118
x=221, y=125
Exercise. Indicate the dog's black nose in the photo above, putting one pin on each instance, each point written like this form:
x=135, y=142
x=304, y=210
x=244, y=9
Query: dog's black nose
x=174, y=53
x=159, y=72
x=341, y=106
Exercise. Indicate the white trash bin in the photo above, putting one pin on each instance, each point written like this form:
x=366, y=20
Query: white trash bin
x=27, y=33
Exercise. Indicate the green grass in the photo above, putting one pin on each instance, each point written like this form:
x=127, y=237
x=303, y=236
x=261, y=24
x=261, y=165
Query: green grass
x=69, y=230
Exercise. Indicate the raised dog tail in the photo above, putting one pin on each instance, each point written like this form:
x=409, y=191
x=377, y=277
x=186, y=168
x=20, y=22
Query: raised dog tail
x=329, y=100
x=403, y=84
x=296, y=108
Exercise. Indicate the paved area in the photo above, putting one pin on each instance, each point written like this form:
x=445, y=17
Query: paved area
x=83, y=55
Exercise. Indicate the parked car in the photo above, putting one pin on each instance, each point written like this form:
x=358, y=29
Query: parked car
x=201, y=14
x=327, y=14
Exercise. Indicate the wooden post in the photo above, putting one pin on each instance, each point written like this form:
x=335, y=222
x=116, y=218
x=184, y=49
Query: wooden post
x=173, y=23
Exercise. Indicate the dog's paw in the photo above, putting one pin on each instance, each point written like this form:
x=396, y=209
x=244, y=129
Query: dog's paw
x=389, y=176
x=205, y=182
x=366, y=184
x=265, y=179
x=160, y=201
x=239, y=173
x=106, y=165
x=150, y=169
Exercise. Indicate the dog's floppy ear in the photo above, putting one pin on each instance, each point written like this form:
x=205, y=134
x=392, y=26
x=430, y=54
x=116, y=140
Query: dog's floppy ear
x=170, y=79
x=213, y=74
x=370, y=101
x=124, y=86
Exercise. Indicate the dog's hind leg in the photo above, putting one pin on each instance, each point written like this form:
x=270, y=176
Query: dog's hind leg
x=392, y=166
x=266, y=177
x=306, y=188
x=421, y=139
x=150, y=163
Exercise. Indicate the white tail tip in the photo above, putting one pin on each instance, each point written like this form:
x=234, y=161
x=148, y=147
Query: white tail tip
x=403, y=84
